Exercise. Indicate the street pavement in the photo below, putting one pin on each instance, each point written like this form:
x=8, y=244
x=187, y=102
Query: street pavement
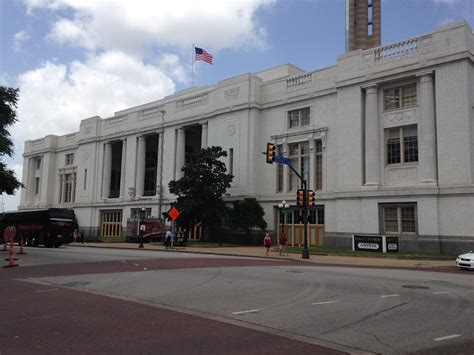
x=256, y=251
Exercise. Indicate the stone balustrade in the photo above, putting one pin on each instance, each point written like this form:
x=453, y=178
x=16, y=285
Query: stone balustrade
x=299, y=81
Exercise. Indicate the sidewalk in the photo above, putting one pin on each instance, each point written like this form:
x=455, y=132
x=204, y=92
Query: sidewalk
x=255, y=251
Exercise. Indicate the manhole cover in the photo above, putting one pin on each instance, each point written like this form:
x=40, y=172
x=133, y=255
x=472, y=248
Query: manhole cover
x=295, y=271
x=416, y=287
x=76, y=284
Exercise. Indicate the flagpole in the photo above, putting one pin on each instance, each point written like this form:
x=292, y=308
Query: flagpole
x=192, y=68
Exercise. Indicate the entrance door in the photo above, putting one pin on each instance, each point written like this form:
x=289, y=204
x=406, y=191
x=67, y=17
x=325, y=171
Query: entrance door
x=111, y=223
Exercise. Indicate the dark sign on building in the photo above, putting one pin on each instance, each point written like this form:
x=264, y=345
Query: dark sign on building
x=368, y=243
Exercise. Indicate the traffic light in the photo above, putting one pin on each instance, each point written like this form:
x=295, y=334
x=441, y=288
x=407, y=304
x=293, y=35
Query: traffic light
x=311, y=198
x=300, y=198
x=271, y=152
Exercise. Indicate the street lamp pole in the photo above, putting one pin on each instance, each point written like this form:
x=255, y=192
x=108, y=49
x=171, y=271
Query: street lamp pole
x=283, y=205
x=160, y=197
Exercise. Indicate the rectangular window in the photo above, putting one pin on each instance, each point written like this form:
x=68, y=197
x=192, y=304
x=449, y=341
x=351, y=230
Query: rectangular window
x=402, y=139
x=85, y=179
x=134, y=213
x=67, y=188
x=70, y=159
x=318, y=165
x=37, y=184
x=399, y=219
x=279, y=170
x=300, y=158
x=38, y=163
x=298, y=118
x=401, y=97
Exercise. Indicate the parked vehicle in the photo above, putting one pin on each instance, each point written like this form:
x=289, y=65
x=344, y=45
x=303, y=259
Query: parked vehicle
x=465, y=261
x=50, y=227
x=151, y=230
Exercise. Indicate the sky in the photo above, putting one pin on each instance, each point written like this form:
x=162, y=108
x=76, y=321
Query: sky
x=73, y=59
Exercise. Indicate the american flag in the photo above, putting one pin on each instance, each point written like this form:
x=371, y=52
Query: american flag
x=201, y=54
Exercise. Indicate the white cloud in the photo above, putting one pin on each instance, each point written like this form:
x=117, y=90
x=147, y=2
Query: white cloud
x=55, y=97
x=19, y=38
x=135, y=26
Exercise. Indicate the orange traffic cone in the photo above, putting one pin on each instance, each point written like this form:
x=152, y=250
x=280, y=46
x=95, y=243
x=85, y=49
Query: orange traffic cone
x=21, y=246
x=11, y=260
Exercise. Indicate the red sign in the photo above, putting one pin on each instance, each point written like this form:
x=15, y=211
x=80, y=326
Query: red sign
x=9, y=232
x=173, y=213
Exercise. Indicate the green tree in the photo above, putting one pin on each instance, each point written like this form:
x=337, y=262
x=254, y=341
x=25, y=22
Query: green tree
x=201, y=188
x=247, y=214
x=8, y=104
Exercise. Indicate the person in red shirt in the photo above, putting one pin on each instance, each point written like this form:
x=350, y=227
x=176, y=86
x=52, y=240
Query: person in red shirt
x=267, y=242
x=282, y=243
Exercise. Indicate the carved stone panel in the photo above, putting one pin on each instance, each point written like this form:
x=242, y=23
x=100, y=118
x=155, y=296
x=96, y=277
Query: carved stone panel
x=402, y=176
x=400, y=118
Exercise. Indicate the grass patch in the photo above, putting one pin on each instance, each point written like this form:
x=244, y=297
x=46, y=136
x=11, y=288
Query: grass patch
x=349, y=252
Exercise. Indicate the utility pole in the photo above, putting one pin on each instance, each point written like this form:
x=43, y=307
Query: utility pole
x=272, y=157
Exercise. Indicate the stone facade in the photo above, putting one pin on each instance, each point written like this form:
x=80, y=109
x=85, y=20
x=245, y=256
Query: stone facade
x=385, y=137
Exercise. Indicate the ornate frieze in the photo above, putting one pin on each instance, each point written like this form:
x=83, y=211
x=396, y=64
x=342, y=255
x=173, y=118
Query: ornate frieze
x=400, y=118
x=232, y=94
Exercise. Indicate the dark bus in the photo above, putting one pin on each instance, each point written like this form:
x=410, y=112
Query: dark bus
x=50, y=227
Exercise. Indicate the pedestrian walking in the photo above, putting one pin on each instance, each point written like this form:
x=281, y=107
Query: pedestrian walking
x=168, y=236
x=267, y=242
x=282, y=240
x=82, y=237
x=74, y=235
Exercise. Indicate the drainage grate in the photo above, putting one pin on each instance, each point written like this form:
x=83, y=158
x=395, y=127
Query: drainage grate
x=76, y=284
x=416, y=287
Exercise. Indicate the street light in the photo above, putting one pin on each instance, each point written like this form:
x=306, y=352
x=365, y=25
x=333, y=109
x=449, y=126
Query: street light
x=160, y=198
x=140, y=235
x=283, y=205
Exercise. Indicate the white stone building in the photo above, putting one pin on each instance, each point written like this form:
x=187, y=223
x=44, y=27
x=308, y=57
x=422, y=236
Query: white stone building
x=385, y=137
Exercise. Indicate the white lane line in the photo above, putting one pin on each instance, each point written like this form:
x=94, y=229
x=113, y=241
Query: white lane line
x=447, y=337
x=135, y=264
x=395, y=295
x=439, y=292
x=106, y=281
x=326, y=302
x=244, y=312
x=47, y=290
x=135, y=274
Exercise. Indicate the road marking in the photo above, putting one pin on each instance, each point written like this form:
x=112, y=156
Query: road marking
x=439, y=292
x=135, y=264
x=447, y=337
x=106, y=281
x=326, y=302
x=244, y=312
x=47, y=290
x=395, y=295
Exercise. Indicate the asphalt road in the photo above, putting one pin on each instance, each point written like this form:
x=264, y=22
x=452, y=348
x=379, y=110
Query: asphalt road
x=241, y=304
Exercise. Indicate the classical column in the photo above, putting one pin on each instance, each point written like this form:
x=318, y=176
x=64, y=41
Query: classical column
x=30, y=185
x=159, y=163
x=74, y=179
x=372, y=140
x=107, y=171
x=61, y=178
x=286, y=170
x=180, y=151
x=204, y=136
x=427, y=131
x=140, y=185
x=123, y=168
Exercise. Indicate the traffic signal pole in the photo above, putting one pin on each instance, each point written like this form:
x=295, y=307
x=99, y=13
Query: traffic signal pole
x=272, y=157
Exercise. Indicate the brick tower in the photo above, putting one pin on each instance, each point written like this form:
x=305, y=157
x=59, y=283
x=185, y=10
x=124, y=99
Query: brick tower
x=363, y=24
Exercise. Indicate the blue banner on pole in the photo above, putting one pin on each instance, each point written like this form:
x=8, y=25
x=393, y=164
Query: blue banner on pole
x=282, y=160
